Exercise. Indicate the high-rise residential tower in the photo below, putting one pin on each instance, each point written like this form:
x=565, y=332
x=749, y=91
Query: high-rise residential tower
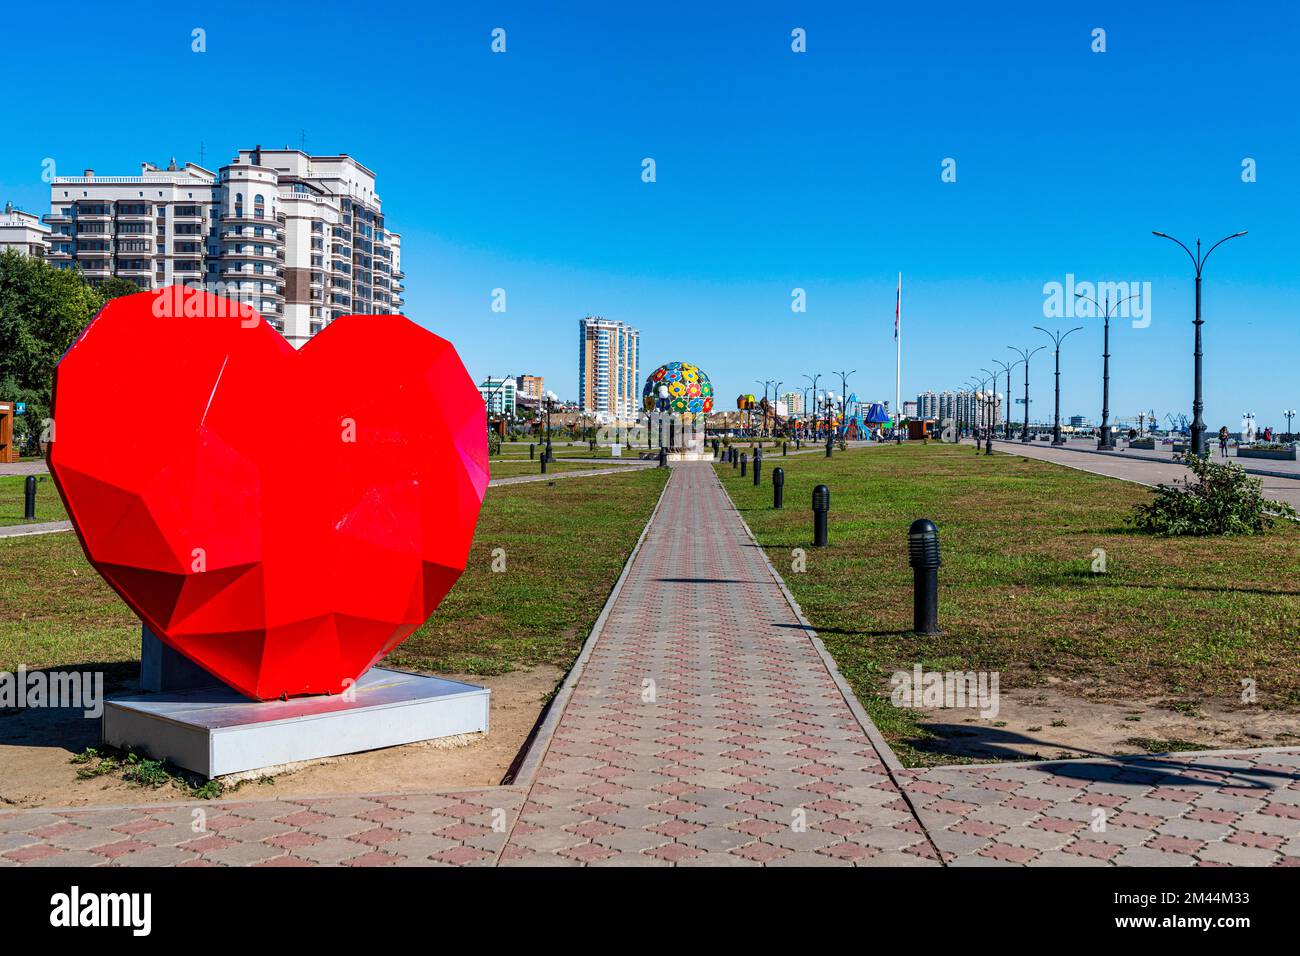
x=301, y=238
x=609, y=383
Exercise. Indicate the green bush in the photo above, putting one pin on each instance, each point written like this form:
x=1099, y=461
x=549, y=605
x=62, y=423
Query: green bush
x=494, y=442
x=1218, y=499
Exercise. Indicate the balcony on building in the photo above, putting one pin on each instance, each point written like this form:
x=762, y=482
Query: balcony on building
x=94, y=212
x=137, y=212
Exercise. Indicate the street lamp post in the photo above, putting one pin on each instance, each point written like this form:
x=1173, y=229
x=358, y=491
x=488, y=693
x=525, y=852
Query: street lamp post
x=765, y=385
x=550, y=405
x=830, y=411
x=1006, y=420
x=1198, y=406
x=1026, y=354
x=1290, y=414
x=990, y=397
x=813, y=407
x=1057, y=338
x=491, y=399
x=844, y=398
x=663, y=408
x=1104, y=440
x=969, y=421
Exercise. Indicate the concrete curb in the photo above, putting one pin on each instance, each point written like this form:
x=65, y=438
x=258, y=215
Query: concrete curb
x=540, y=741
x=1138, y=456
x=893, y=766
x=28, y=530
x=525, y=479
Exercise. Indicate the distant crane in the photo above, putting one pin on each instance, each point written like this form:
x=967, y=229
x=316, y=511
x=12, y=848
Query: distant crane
x=1178, y=424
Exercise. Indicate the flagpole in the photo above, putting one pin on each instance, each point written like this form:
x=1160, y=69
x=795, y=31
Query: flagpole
x=898, y=368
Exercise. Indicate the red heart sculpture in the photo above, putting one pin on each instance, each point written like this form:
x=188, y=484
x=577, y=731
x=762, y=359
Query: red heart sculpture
x=283, y=518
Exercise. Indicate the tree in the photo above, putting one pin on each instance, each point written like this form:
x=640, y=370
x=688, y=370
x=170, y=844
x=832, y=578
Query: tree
x=42, y=311
x=114, y=287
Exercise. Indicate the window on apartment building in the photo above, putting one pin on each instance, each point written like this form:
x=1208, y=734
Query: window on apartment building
x=259, y=206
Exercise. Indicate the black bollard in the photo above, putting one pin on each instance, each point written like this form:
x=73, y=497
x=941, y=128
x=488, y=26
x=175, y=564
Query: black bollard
x=543, y=463
x=821, y=507
x=828, y=449
x=735, y=458
x=778, y=487
x=663, y=457
x=532, y=451
x=716, y=445
x=29, y=498
x=785, y=448
x=758, y=466
x=743, y=458
x=923, y=555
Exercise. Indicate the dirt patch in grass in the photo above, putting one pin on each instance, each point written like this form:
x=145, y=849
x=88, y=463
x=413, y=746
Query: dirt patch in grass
x=36, y=768
x=1057, y=722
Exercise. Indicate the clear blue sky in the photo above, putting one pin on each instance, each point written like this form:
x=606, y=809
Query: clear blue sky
x=775, y=170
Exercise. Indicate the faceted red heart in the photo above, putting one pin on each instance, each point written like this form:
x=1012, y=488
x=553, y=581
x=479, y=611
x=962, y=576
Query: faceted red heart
x=283, y=518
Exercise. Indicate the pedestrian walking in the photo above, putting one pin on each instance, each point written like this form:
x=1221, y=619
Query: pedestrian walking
x=1223, y=441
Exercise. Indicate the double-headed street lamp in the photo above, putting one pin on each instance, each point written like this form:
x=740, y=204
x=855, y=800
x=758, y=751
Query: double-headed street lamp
x=970, y=388
x=844, y=398
x=830, y=419
x=1198, y=406
x=551, y=398
x=1290, y=414
x=490, y=400
x=1104, y=440
x=1026, y=354
x=1006, y=417
x=990, y=397
x=1057, y=338
x=766, y=385
x=813, y=407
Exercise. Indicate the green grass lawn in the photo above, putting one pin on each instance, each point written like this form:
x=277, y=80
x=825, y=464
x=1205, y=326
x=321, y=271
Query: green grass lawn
x=49, y=507
x=1187, y=618
x=565, y=544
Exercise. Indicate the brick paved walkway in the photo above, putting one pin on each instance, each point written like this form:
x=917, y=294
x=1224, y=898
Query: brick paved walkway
x=706, y=728
x=703, y=727
x=1239, y=808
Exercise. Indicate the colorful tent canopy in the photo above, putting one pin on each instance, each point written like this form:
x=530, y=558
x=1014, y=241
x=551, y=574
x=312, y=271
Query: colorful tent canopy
x=877, y=415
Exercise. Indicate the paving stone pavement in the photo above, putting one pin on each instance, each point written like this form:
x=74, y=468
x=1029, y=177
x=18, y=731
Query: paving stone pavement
x=1196, y=809
x=1145, y=470
x=705, y=728
x=455, y=828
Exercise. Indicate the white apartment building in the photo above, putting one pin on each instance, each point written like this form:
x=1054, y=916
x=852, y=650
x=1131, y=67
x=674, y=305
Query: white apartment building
x=24, y=232
x=609, y=384
x=301, y=238
x=498, y=395
x=793, y=402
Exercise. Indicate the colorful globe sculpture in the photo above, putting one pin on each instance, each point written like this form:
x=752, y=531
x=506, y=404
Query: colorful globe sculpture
x=690, y=392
